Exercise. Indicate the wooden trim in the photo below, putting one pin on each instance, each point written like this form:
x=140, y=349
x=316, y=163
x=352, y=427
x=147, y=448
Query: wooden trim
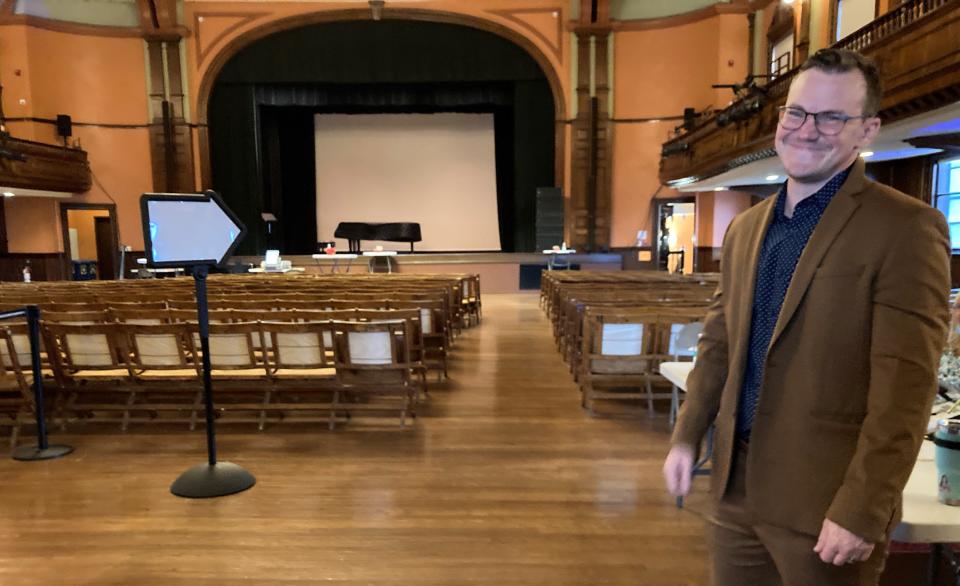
x=235, y=45
x=783, y=23
x=3, y=227
x=832, y=37
x=202, y=51
x=45, y=266
x=645, y=24
x=511, y=15
x=707, y=259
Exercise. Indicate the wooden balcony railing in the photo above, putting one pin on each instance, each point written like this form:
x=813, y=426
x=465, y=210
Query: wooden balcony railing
x=892, y=22
x=45, y=167
x=915, y=46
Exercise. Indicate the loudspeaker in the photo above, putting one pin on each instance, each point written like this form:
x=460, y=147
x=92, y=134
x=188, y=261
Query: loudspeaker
x=549, y=219
x=64, y=125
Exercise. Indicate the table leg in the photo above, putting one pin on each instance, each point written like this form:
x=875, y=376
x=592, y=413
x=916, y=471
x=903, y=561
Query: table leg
x=934, y=569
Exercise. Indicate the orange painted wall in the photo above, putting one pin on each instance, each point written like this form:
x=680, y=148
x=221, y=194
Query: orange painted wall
x=103, y=80
x=15, y=74
x=97, y=80
x=33, y=224
x=715, y=211
x=83, y=221
x=658, y=73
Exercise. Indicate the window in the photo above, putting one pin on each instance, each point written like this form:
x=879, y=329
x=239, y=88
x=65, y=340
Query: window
x=851, y=15
x=781, y=55
x=946, y=196
x=838, y=29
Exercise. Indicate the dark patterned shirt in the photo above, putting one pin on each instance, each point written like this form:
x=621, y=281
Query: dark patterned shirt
x=782, y=246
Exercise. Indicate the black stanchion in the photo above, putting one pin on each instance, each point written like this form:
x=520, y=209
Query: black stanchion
x=42, y=451
x=213, y=478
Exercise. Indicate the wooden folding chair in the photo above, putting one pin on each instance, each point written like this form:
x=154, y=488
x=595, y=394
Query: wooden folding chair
x=301, y=368
x=165, y=366
x=373, y=363
x=16, y=396
x=91, y=364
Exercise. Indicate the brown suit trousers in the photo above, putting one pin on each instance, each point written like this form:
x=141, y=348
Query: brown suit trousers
x=747, y=551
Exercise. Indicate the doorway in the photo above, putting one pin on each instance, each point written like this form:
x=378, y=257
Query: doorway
x=90, y=240
x=675, y=235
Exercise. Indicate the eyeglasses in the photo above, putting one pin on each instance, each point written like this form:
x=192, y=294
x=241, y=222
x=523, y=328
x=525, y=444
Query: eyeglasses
x=827, y=123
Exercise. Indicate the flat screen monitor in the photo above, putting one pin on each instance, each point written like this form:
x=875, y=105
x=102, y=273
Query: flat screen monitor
x=188, y=229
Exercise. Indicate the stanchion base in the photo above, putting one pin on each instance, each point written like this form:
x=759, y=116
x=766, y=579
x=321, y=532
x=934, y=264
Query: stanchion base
x=206, y=481
x=30, y=453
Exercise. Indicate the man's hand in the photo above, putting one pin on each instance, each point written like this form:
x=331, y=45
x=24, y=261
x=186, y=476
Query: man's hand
x=839, y=547
x=677, y=469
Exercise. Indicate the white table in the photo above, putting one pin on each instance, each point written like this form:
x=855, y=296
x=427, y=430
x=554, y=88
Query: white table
x=164, y=271
x=552, y=259
x=372, y=254
x=261, y=270
x=336, y=258
x=676, y=373
x=925, y=519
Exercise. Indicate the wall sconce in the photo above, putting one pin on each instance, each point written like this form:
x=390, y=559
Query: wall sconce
x=376, y=9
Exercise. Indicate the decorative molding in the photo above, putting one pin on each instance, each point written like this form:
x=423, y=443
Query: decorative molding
x=75, y=28
x=231, y=47
x=645, y=24
x=245, y=18
x=557, y=13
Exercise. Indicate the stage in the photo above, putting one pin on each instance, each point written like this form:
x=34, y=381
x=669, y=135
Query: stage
x=500, y=272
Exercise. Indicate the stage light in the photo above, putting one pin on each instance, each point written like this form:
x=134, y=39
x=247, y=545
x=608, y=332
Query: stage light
x=8, y=194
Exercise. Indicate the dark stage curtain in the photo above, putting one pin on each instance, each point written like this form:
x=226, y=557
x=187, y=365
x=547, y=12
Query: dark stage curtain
x=262, y=108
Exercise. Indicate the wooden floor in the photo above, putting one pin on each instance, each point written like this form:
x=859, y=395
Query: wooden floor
x=503, y=479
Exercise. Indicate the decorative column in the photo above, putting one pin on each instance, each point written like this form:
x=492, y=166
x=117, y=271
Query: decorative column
x=171, y=147
x=590, y=182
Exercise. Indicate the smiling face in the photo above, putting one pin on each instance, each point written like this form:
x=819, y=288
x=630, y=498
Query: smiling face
x=810, y=156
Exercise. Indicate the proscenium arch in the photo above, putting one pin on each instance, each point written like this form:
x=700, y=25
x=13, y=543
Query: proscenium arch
x=235, y=45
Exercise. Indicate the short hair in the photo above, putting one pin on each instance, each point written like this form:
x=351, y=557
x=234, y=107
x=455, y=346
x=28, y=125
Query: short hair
x=844, y=60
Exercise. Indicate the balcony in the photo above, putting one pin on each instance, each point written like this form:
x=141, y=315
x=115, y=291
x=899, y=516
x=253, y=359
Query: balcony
x=916, y=49
x=43, y=167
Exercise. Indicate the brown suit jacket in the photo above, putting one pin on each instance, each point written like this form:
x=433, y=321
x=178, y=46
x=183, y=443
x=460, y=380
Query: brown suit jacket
x=851, y=370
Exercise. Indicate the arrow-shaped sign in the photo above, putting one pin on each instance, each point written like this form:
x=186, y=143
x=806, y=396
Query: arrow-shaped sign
x=185, y=229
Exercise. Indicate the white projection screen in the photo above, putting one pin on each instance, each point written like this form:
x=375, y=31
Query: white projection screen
x=438, y=170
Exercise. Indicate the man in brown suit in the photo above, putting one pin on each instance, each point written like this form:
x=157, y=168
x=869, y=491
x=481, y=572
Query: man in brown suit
x=818, y=357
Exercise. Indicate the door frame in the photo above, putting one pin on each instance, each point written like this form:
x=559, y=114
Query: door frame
x=656, y=204
x=111, y=209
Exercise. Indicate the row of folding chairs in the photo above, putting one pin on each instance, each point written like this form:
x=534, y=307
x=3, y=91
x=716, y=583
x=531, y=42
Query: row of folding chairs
x=261, y=370
x=622, y=349
x=615, y=329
